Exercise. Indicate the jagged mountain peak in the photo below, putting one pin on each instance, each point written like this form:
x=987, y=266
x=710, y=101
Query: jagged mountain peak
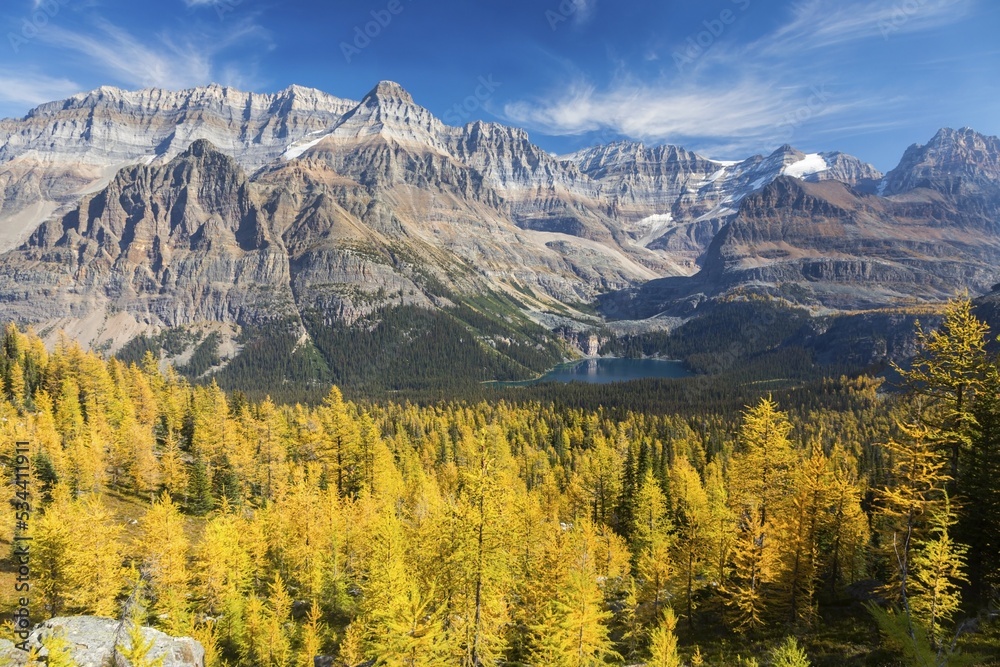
x=387, y=112
x=953, y=161
x=200, y=148
x=787, y=149
x=946, y=134
x=483, y=128
x=112, y=127
x=964, y=140
x=386, y=91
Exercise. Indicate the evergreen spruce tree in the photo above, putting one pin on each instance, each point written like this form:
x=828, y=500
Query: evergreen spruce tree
x=200, y=499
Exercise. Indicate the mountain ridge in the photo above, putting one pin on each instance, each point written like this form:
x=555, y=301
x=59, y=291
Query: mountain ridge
x=313, y=208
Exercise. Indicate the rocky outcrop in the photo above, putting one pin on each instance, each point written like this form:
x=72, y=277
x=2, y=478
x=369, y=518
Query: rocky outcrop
x=92, y=642
x=243, y=209
x=827, y=244
x=661, y=205
x=110, y=126
x=61, y=151
x=953, y=162
x=165, y=245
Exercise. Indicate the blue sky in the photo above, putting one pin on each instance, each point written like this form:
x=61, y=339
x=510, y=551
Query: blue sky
x=727, y=78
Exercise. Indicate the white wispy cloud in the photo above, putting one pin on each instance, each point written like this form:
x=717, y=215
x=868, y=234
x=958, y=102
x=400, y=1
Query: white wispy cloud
x=820, y=23
x=722, y=118
x=168, y=61
x=742, y=96
x=132, y=61
x=18, y=89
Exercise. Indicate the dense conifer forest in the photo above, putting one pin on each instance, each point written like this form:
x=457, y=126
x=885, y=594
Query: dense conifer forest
x=827, y=523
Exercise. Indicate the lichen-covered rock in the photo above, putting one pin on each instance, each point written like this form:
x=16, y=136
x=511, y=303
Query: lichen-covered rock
x=92, y=641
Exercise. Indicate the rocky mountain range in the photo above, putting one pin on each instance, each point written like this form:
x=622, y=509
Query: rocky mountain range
x=127, y=213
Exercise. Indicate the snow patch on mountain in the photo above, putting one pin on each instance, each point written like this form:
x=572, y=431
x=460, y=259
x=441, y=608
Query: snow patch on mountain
x=654, y=226
x=296, y=149
x=717, y=175
x=811, y=164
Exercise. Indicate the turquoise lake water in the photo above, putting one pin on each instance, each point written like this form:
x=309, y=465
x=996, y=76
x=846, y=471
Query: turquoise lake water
x=606, y=371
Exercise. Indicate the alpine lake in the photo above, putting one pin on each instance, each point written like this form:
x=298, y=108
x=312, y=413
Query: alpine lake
x=606, y=370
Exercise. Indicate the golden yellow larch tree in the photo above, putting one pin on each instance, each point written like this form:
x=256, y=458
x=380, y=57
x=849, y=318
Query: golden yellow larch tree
x=847, y=531
x=96, y=571
x=950, y=371
x=15, y=386
x=222, y=564
x=693, y=540
x=46, y=435
x=273, y=645
x=142, y=395
x=722, y=522
x=914, y=493
x=401, y=625
x=163, y=546
x=937, y=575
x=754, y=565
x=212, y=428
x=763, y=460
x=478, y=610
x=602, y=478
x=89, y=456
x=69, y=413
x=300, y=538
x=173, y=473
x=760, y=483
x=652, y=544
x=144, y=466
x=573, y=628
x=313, y=637
x=663, y=642
x=341, y=450
x=269, y=434
x=799, y=532
x=51, y=544
x=535, y=561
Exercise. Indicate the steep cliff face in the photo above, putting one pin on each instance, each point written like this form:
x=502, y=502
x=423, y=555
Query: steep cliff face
x=659, y=205
x=133, y=211
x=828, y=244
x=674, y=201
x=459, y=202
x=110, y=125
x=954, y=162
x=163, y=245
x=63, y=150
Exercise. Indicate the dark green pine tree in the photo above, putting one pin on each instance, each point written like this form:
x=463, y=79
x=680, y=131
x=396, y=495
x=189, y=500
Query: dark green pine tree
x=979, y=522
x=46, y=475
x=643, y=464
x=200, y=499
x=226, y=483
x=625, y=514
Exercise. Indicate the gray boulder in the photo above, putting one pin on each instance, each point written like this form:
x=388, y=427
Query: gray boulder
x=92, y=641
